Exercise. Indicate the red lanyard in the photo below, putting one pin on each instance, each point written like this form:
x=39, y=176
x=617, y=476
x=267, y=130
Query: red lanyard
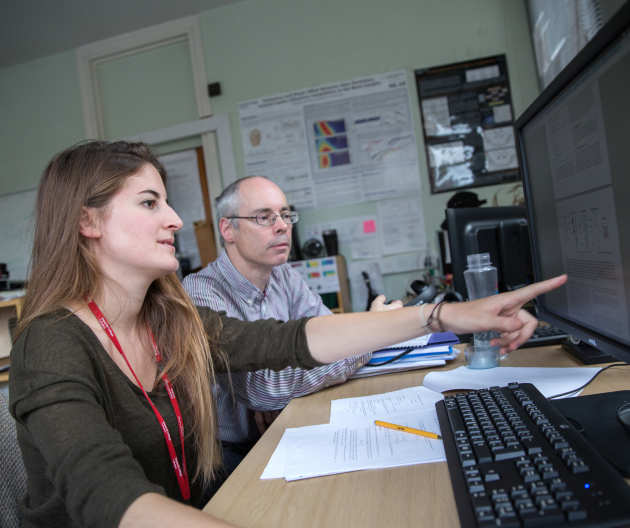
x=180, y=470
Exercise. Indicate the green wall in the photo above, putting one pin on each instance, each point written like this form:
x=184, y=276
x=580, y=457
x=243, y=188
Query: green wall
x=40, y=114
x=264, y=47
x=129, y=106
x=260, y=47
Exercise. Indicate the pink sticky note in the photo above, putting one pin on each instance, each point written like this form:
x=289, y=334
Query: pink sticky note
x=369, y=226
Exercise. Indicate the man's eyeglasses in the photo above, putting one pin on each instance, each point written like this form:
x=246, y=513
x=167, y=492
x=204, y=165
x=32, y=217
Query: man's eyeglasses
x=269, y=219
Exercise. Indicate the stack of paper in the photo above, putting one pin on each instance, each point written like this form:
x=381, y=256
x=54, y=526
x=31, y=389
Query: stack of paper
x=12, y=294
x=548, y=380
x=351, y=441
x=427, y=351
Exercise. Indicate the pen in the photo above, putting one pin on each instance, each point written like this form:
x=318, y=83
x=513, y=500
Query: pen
x=406, y=429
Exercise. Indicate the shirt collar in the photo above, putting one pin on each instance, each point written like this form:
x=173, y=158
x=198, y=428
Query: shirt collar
x=248, y=291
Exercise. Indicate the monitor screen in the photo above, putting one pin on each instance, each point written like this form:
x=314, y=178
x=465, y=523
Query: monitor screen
x=500, y=231
x=574, y=148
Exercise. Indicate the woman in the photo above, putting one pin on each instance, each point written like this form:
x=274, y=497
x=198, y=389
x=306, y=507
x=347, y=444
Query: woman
x=112, y=366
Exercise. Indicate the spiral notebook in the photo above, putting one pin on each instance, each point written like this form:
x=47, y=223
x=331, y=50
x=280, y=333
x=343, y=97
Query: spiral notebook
x=431, y=350
x=436, y=338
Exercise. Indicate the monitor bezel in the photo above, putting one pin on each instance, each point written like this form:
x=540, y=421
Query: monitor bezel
x=614, y=30
x=457, y=218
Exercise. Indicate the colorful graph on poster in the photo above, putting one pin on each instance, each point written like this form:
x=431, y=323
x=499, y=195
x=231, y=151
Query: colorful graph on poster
x=329, y=127
x=334, y=159
x=331, y=143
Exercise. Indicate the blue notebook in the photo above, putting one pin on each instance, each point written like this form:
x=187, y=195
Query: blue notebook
x=426, y=353
x=438, y=345
x=437, y=338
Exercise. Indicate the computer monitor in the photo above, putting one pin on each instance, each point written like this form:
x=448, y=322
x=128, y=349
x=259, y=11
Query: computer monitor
x=574, y=153
x=500, y=231
x=575, y=157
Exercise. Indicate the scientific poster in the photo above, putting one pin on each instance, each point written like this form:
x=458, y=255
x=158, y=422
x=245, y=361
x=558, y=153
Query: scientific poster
x=344, y=143
x=466, y=111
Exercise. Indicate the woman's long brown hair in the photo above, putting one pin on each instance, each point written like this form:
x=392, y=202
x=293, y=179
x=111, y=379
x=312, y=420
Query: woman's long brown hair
x=63, y=272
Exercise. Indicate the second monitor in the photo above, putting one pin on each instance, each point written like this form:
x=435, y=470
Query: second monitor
x=500, y=231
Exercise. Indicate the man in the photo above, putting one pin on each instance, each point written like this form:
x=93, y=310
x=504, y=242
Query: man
x=250, y=280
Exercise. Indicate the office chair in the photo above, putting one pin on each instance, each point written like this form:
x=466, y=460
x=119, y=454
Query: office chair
x=13, y=480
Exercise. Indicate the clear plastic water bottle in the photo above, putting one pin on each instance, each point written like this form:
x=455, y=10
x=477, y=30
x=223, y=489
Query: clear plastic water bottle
x=481, y=281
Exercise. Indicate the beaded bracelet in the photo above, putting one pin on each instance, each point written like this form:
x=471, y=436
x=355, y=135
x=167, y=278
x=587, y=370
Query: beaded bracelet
x=435, y=313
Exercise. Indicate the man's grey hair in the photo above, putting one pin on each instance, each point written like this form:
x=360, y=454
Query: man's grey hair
x=228, y=202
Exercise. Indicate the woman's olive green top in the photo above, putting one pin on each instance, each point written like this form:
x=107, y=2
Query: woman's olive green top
x=90, y=441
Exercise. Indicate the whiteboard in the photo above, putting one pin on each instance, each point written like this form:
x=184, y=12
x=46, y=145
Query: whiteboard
x=17, y=223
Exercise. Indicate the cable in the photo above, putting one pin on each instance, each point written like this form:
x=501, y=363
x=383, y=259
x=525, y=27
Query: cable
x=391, y=360
x=589, y=381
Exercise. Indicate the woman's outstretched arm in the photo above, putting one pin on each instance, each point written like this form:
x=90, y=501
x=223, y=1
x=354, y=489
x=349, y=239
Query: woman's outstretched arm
x=153, y=510
x=331, y=338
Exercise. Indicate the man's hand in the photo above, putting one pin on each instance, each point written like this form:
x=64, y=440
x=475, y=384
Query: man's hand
x=378, y=304
x=264, y=419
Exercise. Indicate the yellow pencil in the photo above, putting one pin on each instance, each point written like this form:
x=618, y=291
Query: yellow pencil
x=406, y=429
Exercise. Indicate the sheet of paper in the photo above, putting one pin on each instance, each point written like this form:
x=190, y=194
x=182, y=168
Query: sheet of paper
x=480, y=74
x=502, y=113
x=358, y=287
x=402, y=224
x=549, y=381
x=381, y=406
x=415, y=342
x=412, y=405
x=437, y=118
x=275, y=467
x=366, y=372
x=329, y=449
x=447, y=154
x=360, y=234
x=402, y=262
x=12, y=294
x=498, y=138
x=501, y=159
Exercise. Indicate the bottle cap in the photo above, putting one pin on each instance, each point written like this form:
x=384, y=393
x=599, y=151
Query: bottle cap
x=478, y=260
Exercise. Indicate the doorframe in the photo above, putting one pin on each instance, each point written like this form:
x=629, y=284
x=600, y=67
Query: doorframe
x=91, y=55
x=216, y=139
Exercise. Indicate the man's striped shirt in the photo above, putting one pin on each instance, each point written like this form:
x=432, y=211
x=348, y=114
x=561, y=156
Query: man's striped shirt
x=221, y=287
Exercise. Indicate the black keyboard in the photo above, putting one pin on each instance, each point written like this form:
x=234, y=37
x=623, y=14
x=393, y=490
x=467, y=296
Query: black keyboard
x=515, y=461
x=545, y=335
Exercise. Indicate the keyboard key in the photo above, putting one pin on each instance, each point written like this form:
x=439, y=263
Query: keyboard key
x=467, y=459
x=492, y=475
x=530, y=475
x=483, y=454
x=557, y=484
x=508, y=454
x=577, y=514
x=534, y=520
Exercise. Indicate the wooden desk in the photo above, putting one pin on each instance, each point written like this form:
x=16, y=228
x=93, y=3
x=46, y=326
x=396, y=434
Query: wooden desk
x=396, y=497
